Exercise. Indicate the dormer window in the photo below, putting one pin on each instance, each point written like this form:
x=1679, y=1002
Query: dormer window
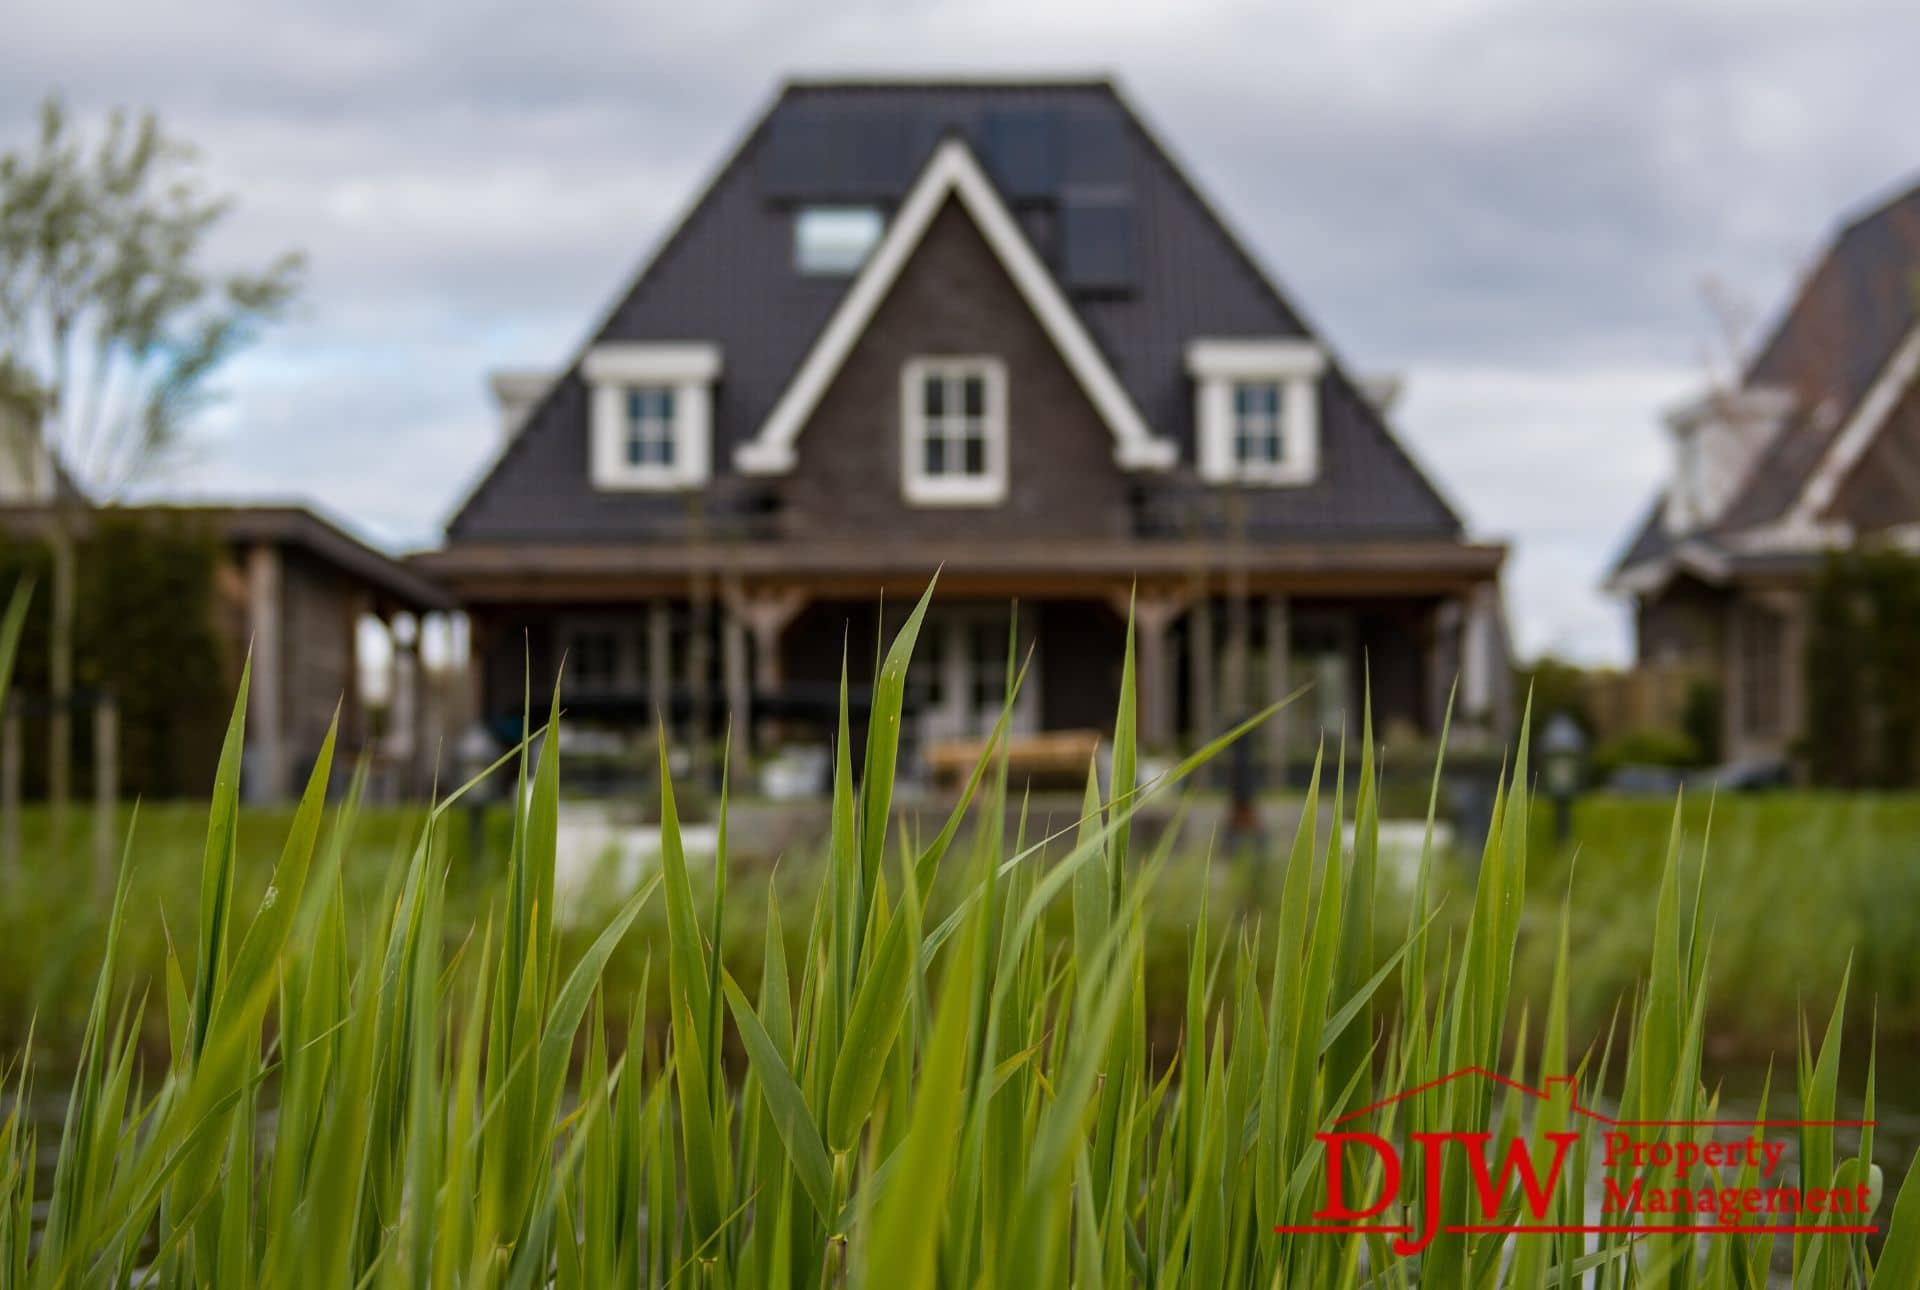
x=1257, y=409
x=1716, y=440
x=954, y=431
x=652, y=413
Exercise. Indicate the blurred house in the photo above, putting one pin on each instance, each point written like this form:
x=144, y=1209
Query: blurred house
x=986, y=328
x=1817, y=448
x=292, y=591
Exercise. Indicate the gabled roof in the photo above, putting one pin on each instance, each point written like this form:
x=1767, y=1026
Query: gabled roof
x=952, y=173
x=293, y=525
x=1847, y=346
x=724, y=275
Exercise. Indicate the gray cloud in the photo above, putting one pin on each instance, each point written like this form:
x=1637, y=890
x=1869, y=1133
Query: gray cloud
x=1515, y=202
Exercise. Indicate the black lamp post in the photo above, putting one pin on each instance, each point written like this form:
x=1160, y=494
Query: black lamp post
x=1563, y=751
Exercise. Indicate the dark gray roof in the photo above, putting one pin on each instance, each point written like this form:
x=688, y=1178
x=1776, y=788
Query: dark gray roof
x=1059, y=152
x=1650, y=539
x=1837, y=333
x=289, y=524
x=1842, y=327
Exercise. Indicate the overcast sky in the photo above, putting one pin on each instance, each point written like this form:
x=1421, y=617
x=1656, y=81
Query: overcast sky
x=1514, y=203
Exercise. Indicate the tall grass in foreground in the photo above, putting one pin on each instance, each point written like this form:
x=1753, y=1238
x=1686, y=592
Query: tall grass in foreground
x=921, y=1101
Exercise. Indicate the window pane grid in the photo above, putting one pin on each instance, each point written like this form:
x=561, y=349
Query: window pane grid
x=954, y=425
x=650, y=437
x=1259, y=439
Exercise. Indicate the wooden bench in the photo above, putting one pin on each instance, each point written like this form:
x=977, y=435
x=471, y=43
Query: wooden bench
x=1058, y=757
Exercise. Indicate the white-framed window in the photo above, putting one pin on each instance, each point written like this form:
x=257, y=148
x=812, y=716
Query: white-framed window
x=651, y=414
x=1259, y=426
x=1257, y=409
x=650, y=439
x=953, y=420
x=834, y=241
x=953, y=430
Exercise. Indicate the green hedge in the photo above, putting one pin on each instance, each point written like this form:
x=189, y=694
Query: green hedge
x=1863, y=708
x=144, y=631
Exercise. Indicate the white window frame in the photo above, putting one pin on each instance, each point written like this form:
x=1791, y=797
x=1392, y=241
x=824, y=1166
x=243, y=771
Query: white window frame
x=916, y=484
x=613, y=372
x=1296, y=366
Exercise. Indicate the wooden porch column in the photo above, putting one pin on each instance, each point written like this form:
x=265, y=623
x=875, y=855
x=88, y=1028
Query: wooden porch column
x=1153, y=617
x=403, y=708
x=479, y=642
x=1279, y=633
x=766, y=615
x=265, y=777
x=352, y=709
x=733, y=668
x=660, y=663
x=1443, y=661
x=1200, y=693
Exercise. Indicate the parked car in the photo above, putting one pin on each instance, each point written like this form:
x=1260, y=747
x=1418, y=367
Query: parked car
x=1757, y=776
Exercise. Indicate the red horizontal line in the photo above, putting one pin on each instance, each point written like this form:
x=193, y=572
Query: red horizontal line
x=1747, y=1124
x=1711, y=1229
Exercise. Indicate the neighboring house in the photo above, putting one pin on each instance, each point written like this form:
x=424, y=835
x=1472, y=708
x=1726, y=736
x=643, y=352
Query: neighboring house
x=986, y=328
x=292, y=591
x=1817, y=449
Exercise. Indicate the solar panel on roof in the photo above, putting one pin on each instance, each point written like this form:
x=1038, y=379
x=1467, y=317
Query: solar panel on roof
x=841, y=152
x=1096, y=148
x=1096, y=240
x=880, y=156
x=1021, y=151
x=788, y=162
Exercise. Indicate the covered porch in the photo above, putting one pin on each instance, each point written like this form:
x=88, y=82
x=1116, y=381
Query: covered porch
x=763, y=634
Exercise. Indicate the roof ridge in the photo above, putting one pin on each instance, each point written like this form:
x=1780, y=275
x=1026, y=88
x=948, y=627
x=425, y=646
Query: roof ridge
x=948, y=83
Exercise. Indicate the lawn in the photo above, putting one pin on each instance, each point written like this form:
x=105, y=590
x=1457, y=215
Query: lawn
x=1798, y=886
x=332, y=1047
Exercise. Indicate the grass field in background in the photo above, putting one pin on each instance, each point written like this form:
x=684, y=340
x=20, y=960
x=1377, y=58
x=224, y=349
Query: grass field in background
x=1798, y=884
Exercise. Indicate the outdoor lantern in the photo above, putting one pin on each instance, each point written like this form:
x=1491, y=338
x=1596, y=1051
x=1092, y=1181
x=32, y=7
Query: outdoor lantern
x=1563, y=750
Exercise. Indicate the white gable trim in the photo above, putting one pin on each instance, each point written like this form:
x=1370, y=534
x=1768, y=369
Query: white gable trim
x=953, y=170
x=1851, y=444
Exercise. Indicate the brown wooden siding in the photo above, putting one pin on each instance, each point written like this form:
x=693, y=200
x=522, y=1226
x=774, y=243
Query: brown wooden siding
x=953, y=298
x=1883, y=488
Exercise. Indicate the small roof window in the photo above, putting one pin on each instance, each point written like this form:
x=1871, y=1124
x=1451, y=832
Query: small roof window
x=834, y=241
